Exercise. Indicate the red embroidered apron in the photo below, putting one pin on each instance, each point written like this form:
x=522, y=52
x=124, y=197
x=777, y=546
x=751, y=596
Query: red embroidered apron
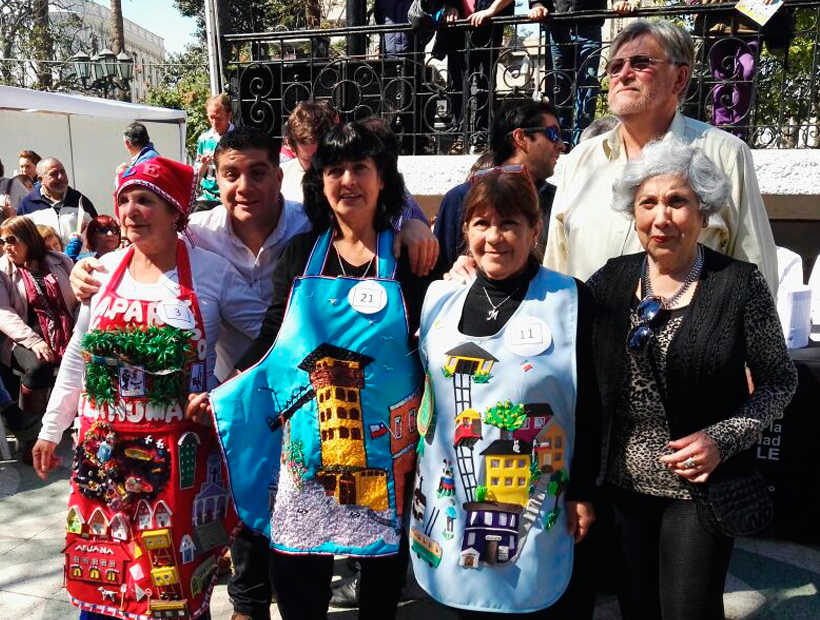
x=149, y=511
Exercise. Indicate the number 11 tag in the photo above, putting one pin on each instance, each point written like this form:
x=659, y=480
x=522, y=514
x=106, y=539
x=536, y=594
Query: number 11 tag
x=367, y=297
x=527, y=336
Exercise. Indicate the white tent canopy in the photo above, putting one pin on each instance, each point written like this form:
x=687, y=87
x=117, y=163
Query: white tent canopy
x=85, y=133
x=38, y=101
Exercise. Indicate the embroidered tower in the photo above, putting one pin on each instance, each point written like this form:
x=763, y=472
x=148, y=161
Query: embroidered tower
x=337, y=377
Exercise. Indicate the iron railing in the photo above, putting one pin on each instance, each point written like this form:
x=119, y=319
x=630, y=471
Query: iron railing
x=441, y=96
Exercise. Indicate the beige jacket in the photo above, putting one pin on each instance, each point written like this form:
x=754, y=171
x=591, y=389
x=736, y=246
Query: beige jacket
x=14, y=305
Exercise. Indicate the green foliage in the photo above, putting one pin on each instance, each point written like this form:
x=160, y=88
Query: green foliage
x=482, y=376
x=155, y=349
x=260, y=15
x=295, y=460
x=506, y=416
x=186, y=87
x=481, y=493
x=551, y=518
x=535, y=475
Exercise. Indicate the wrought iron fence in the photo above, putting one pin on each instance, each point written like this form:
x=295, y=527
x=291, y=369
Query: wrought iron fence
x=440, y=95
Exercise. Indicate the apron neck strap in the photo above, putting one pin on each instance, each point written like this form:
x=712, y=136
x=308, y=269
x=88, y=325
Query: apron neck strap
x=184, y=274
x=385, y=261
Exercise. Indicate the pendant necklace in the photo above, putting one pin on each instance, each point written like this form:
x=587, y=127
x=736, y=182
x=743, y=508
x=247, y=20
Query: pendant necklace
x=342, y=267
x=492, y=315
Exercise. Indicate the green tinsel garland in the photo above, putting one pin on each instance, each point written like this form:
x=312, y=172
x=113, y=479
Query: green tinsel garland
x=154, y=348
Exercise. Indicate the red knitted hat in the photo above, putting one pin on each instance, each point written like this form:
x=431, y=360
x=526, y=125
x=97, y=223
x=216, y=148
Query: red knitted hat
x=171, y=180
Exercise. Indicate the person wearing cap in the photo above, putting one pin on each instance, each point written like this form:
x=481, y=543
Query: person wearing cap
x=147, y=483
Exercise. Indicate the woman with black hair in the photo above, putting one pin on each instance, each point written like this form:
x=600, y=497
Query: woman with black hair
x=326, y=416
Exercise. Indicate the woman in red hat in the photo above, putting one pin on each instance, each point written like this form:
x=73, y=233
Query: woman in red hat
x=149, y=510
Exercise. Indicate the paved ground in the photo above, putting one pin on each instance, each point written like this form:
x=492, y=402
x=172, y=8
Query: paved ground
x=769, y=580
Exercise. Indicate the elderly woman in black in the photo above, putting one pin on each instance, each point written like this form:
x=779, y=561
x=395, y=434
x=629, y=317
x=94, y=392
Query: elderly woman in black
x=676, y=328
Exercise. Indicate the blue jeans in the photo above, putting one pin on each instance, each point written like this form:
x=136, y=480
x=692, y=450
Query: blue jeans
x=5, y=397
x=572, y=84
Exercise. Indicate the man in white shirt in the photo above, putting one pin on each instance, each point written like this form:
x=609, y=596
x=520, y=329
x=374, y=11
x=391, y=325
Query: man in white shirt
x=649, y=68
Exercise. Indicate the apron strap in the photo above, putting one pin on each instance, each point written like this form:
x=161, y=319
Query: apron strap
x=318, y=256
x=114, y=282
x=385, y=261
x=186, y=279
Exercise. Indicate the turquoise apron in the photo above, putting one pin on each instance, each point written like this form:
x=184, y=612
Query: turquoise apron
x=488, y=527
x=320, y=435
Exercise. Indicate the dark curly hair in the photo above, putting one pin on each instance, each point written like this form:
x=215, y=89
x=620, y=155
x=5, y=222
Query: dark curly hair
x=353, y=142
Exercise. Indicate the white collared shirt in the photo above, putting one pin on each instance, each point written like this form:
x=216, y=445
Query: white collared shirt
x=585, y=232
x=212, y=231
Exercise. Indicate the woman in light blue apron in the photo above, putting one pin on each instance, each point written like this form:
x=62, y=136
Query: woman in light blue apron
x=509, y=449
x=320, y=432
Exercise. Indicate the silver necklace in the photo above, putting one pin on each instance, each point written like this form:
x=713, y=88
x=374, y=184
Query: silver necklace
x=694, y=272
x=492, y=315
x=342, y=267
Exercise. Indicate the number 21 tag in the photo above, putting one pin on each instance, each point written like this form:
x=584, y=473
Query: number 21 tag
x=367, y=297
x=527, y=336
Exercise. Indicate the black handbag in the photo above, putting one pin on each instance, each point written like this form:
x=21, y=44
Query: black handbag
x=728, y=503
x=736, y=505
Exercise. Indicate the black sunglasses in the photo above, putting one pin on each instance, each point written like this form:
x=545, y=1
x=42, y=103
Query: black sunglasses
x=553, y=134
x=647, y=311
x=639, y=62
x=114, y=230
x=10, y=240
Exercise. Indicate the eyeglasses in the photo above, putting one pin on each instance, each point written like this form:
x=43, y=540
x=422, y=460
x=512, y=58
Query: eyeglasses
x=509, y=168
x=639, y=62
x=553, y=134
x=10, y=240
x=647, y=311
x=104, y=230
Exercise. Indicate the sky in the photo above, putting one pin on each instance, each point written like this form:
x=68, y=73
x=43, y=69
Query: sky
x=161, y=18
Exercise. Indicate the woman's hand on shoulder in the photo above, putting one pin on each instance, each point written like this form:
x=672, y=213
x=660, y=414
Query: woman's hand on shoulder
x=199, y=408
x=83, y=283
x=463, y=270
x=421, y=245
x=580, y=517
x=43, y=457
x=696, y=456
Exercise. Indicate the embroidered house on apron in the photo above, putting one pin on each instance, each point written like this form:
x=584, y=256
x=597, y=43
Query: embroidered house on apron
x=488, y=529
x=149, y=510
x=327, y=419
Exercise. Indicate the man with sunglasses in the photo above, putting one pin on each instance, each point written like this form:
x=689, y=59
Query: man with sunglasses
x=649, y=70
x=526, y=138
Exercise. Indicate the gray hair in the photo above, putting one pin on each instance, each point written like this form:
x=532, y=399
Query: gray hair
x=676, y=158
x=45, y=164
x=599, y=126
x=676, y=42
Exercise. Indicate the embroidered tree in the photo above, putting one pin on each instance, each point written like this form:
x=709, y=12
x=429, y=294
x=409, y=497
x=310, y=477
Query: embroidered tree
x=506, y=416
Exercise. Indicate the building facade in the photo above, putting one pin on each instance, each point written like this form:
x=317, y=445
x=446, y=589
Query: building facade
x=146, y=48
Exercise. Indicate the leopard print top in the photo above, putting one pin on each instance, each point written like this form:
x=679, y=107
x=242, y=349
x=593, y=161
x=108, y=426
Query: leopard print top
x=640, y=433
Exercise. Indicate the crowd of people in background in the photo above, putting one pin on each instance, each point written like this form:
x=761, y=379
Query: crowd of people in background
x=564, y=365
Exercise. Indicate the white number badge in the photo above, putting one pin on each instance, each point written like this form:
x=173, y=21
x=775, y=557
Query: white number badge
x=367, y=297
x=527, y=336
x=176, y=314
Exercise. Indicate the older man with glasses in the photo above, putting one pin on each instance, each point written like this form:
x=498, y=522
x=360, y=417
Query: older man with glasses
x=649, y=70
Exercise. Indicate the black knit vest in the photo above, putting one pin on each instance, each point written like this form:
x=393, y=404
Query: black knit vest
x=705, y=369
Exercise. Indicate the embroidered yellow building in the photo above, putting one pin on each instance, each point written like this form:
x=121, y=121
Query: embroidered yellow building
x=469, y=359
x=337, y=377
x=507, y=471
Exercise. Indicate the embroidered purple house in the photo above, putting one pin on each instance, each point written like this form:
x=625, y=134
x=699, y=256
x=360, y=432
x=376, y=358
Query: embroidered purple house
x=490, y=534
